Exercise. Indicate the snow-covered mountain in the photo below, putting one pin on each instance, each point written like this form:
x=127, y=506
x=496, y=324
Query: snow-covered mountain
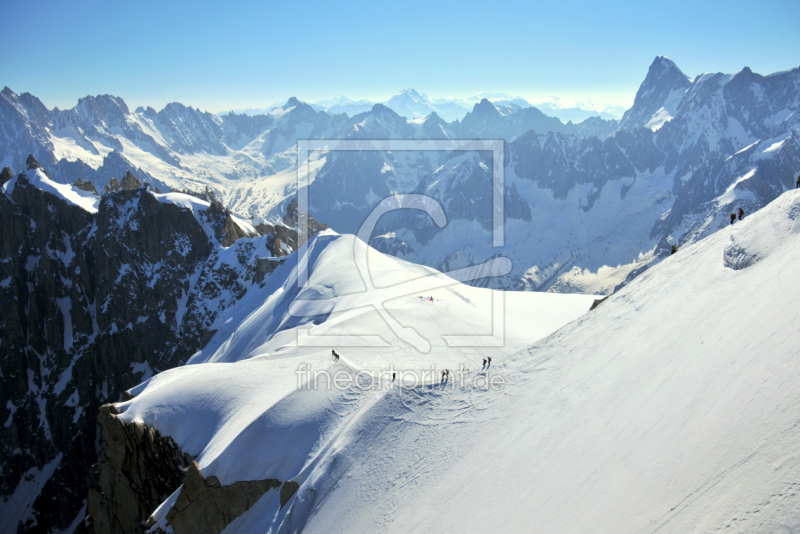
x=344, y=105
x=658, y=97
x=671, y=407
x=586, y=213
x=684, y=156
x=407, y=103
x=410, y=104
x=572, y=113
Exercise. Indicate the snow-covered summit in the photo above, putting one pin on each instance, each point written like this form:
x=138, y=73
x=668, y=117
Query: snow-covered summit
x=410, y=104
x=338, y=299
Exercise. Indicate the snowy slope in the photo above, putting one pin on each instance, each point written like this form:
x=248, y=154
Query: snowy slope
x=266, y=322
x=671, y=408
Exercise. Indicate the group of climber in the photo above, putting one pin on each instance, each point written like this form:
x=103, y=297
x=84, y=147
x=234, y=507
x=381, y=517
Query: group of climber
x=741, y=216
x=737, y=215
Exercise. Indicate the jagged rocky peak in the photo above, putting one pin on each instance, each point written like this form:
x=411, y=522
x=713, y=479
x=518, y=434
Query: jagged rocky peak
x=284, y=240
x=665, y=64
x=661, y=90
x=385, y=114
x=147, y=111
x=105, y=108
x=663, y=72
x=128, y=183
x=296, y=111
x=5, y=175
x=485, y=108
x=32, y=163
x=293, y=216
x=85, y=185
x=484, y=114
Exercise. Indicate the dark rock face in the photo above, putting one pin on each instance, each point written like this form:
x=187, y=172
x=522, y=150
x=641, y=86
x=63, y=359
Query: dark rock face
x=5, y=175
x=46, y=289
x=138, y=469
x=31, y=163
x=96, y=303
x=292, y=220
x=128, y=183
x=205, y=506
x=85, y=186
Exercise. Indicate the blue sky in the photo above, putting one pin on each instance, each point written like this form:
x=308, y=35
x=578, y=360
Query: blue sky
x=218, y=56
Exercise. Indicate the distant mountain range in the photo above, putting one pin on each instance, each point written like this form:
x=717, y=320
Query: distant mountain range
x=587, y=204
x=413, y=105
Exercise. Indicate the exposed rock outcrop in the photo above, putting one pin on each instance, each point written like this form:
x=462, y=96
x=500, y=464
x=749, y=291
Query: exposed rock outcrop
x=128, y=183
x=32, y=163
x=85, y=186
x=5, y=175
x=597, y=302
x=138, y=469
x=292, y=219
x=206, y=507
